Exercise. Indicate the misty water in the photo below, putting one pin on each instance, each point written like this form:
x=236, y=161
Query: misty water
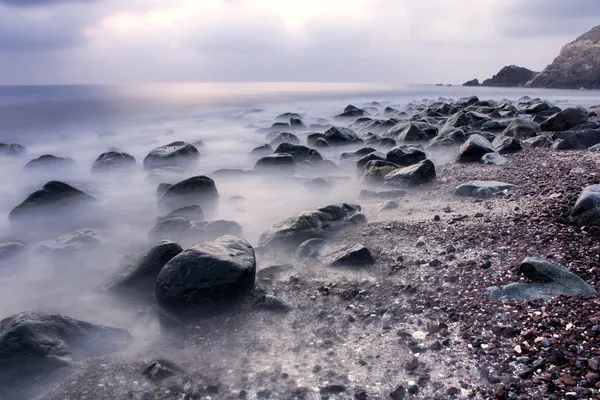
x=79, y=122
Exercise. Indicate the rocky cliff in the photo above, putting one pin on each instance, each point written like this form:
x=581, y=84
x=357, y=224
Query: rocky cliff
x=577, y=66
x=509, y=76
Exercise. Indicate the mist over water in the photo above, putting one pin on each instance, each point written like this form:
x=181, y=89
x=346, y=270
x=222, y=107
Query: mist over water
x=72, y=121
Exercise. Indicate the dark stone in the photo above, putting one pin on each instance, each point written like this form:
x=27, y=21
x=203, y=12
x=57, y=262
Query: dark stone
x=415, y=175
x=207, y=277
x=272, y=303
x=410, y=133
x=48, y=162
x=140, y=275
x=473, y=149
x=578, y=140
x=310, y=249
x=113, y=160
x=382, y=195
x=538, y=107
x=283, y=163
x=176, y=154
x=356, y=155
x=548, y=279
x=586, y=211
x=261, y=151
x=481, y=189
x=565, y=120
x=507, y=144
x=321, y=142
x=338, y=136
x=193, y=212
x=197, y=190
x=12, y=150
x=159, y=370
x=284, y=137
x=375, y=171
x=301, y=154
x=405, y=155
x=539, y=142
x=493, y=159
x=399, y=393
x=313, y=137
x=374, y=156
x=38, y=348
x=474, y=82
x=522, y=129
x=161, y=189
x=355, y=255
x=308, y=225
x=510, y=76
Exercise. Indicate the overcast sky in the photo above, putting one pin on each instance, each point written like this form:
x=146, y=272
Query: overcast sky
x=401, y=41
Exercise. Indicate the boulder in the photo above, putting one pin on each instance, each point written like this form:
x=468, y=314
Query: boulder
x=176, y=154
x=351, y=112
x=538, y=142
x=301, y=154
x=510, y=76
x=322, y=143
x=73, y=242
x=12, y=150
x=494, y=126
x=493, y=159
x=272, y=303
x=507, y=144
x=312, y=138
x=575, y=67
x=473, y=149
x=375, y=171
x=522, y=129
x=538, y=107
x=405, y=155
x=48, y=162
x=586, y=211
x=565, y=120
x=474, y=82
x=193, y=212
x=261, y=151
x=578, y=140
x=311, y=249
x=197, y=190
x=11, y=251
x=338, y=136
x=356, y=155
x=415, y=175
x=113, y=160
x=297, y=123
x=207, y=278
x=139, y=275
x=311, y=224
x=279, y=163
x=410, y=133
x=482, y=189
x=549, y=280
x=375, y=156
x=51, y=203
x=36, y=349
x=284, y=137
x=355, y=255
x=161, y=189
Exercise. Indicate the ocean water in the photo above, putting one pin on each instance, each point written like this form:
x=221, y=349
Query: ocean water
x=69, y=121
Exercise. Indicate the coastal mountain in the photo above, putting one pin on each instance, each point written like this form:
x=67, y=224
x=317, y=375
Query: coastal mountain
x=577, y=66
x=509, y=76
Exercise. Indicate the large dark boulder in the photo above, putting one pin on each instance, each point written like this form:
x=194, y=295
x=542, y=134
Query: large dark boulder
x=548, y=280
x=176, y=154
x=338, y=136
x=565, y=120
x=318, y=223
x=356, y=255
x=113, y=160
x=36, y=349
x=48, y=162
x=139, y=275
x=374, y=156
x=586, y=210
x=276, y=163
x=482, y=189
x=409, y=133
x=351, y=112
x=206, y=278
x=55, y=201
x=414, y=175
x=575, y=67
x=193, y=212
x=284, y=137
x=301, y=154
x=510, y=76
x=473, y=149
x=522, y=129
x=506, y=144
x=197, y=190
x=261, y=151
x=578, y=140
x=375, y=171
x=405, y=155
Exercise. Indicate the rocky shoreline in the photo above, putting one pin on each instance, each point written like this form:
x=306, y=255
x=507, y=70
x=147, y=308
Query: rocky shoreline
x=463, y=265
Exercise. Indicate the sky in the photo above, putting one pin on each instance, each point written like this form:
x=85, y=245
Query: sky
x=395, y=41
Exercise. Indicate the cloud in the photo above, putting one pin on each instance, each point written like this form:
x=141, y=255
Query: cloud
x=40, y=3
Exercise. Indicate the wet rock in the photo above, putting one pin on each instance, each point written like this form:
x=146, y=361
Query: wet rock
x=399, y=393
x=172, y=228
x=375, y=171
x=41, y=347
x=538, y=142
x=473, y=149
x=311, y=249
x=284, y=137
x=140, y=275
x=113, y=160
x=73, y=242
x=415, y=175
x=405, y=155
x=193, y=212
x=283, y=163
x=510, y=76
x=48, y=162
x=494, y=159
x=161, y=189
x=507, y=144
x=176, y=154
x=355, y=255
x=313, y=137
x=338, y=136
x=322, y=142
x=549, y=280
x=578, y=140
x=271, y=303
x=207, y=277
x=586, y=211
x=522, y=129
x=160, y=370
x=11, y=150
x=332, y=389
x=374, y=156
x=565, y=120
x=50, y=205
x=301, y=154
x=195, y=191
x=481, y=189
x=538, y=107
x=261, y=151
x=408, y=133
x=310, y=224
